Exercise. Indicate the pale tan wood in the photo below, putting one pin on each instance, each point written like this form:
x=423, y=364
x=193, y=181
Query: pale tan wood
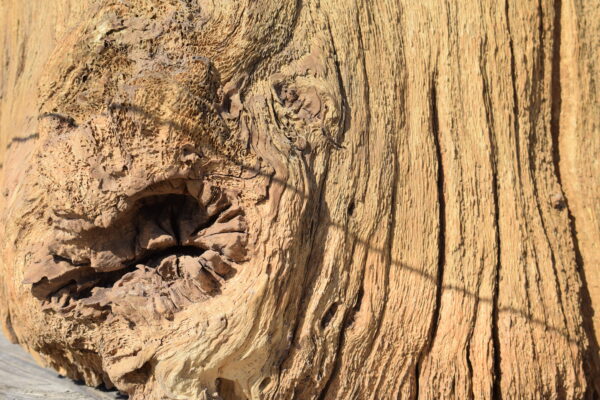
x=414, y=186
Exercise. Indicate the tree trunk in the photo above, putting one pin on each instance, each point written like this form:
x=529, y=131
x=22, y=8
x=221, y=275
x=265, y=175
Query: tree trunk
x=314, y=199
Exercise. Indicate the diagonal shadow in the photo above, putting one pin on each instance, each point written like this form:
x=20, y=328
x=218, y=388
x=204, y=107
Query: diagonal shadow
x=21, y=139
x=433, y=279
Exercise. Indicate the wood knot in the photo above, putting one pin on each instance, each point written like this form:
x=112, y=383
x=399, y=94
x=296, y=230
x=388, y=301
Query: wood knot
x=557, y=201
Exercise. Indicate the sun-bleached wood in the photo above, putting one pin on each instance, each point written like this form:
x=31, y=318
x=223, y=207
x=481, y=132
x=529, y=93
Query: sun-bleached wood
x=364, y=200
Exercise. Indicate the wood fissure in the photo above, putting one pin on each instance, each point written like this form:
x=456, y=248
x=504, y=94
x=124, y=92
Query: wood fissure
x=346, y=322
x=556, y=91
x=556, y=98
x=493, y=160
x=435, y=131
x=497, y=368
x=515, y=96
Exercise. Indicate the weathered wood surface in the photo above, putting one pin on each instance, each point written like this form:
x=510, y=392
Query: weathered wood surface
x=22, y=379
x=402, y=196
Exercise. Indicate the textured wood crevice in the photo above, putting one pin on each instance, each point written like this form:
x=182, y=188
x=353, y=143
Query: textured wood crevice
x=442, y=209
x=441, y=245
x=496, y=391
x=497, y=370
x=556, y=93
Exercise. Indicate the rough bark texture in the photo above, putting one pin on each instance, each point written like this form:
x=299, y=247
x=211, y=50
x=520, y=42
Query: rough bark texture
x=304, y=199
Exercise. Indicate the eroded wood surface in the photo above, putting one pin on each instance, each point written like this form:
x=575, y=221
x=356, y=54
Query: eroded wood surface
x=417, y=180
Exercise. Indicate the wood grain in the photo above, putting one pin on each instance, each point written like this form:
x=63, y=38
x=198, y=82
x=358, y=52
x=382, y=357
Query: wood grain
x=404, y=196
